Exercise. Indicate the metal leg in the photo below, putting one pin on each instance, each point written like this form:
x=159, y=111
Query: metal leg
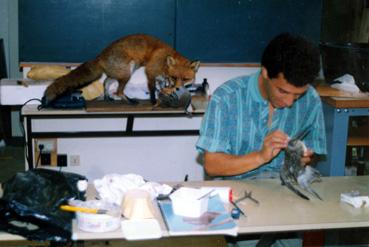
x=336, y=124
x=29, y=141
x=337, y=128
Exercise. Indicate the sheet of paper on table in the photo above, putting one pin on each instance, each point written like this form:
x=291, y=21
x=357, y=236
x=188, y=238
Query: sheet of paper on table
x=217, y=220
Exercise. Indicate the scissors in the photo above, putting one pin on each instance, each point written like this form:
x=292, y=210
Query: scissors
x=247, y=195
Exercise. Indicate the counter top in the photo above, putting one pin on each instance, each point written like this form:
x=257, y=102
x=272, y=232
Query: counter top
x=279, y=209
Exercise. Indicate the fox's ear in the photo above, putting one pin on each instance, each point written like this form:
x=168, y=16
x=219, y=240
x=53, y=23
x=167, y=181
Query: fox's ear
x=170, y=61
x=195, y=65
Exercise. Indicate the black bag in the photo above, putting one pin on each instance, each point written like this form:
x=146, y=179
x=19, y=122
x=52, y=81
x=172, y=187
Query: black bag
x=30, y=204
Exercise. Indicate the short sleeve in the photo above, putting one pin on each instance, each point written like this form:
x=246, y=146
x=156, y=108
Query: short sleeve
x=214, y=131
x=316, y=140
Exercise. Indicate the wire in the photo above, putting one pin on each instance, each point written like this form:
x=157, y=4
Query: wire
x=41, y=148
x=22, y=126
x=33, y=99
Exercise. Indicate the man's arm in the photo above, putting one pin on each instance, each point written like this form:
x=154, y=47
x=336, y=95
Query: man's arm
x=222, y=164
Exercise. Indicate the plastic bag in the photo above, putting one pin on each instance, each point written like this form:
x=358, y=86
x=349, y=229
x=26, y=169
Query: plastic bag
x=30, y=204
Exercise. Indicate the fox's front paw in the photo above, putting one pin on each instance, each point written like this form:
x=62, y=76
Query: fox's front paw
x=119, y=94
x=156, y=105
x=128, y=100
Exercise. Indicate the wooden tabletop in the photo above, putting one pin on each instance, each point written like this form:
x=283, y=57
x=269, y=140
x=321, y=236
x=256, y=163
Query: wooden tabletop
x=339, y=102
x=342, y=99
x=198, y=103
x=198, y=106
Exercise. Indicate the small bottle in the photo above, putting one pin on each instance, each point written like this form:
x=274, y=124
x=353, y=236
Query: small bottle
x=205, y=86
x=354, y=160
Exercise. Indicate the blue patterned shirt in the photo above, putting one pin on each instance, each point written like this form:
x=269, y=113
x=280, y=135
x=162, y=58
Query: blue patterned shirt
x=236, y=122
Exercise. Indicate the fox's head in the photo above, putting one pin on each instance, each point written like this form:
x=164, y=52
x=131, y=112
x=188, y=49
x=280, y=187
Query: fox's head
x=181, y=71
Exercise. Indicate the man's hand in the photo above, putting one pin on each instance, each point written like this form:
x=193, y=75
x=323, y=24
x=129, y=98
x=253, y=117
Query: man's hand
x=273, y=144
x=307, y=157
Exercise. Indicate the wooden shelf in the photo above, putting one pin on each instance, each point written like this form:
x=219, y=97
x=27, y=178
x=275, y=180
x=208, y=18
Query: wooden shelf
x=347, y=102
x=358, y=141
x=342, y=99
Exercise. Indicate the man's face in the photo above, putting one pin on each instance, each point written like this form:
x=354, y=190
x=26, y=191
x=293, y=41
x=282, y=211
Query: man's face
x=280, y=93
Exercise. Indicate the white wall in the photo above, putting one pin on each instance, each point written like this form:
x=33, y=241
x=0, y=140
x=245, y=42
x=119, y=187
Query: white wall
x=155, y=158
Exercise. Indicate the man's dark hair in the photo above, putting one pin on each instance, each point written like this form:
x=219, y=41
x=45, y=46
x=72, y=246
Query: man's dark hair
x=297, y=58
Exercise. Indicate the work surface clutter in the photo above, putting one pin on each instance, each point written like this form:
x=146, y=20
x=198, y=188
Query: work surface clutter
x=126, y=206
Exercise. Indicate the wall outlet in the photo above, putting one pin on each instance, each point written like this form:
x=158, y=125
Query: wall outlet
x=62, y=160
x=49, y=146
x=74, y=160
x=45, y=159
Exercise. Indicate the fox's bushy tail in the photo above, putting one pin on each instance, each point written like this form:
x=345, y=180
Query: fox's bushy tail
x=77, y=78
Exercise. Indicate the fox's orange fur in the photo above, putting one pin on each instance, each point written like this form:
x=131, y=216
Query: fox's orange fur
x=121, y=58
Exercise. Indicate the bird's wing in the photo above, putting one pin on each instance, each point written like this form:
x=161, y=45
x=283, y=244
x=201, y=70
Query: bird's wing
x=291, y=187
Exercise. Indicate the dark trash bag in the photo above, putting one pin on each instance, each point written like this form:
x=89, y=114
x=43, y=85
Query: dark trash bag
x=30, y=204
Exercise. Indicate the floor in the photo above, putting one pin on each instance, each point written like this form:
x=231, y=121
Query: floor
x=12, y=161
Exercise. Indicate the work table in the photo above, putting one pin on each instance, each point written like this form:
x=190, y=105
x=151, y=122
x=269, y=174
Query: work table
x=280, y=210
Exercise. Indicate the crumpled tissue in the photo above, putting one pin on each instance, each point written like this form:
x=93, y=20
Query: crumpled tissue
x=346, y=83
x=132, y=90
x=355, y=199
x=112, y=187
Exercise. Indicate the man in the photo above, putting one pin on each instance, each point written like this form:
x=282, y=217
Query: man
x=250, y=119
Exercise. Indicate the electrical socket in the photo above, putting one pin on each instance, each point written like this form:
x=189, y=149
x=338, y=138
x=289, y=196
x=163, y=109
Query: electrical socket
x=62, y=160
x=49, y=147
x=74, y=160
x=45, y=159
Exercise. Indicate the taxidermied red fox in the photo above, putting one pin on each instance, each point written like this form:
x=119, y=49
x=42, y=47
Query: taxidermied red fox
x=121, y=58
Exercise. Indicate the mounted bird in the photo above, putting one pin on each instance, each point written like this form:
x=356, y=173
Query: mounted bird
x=294, y=174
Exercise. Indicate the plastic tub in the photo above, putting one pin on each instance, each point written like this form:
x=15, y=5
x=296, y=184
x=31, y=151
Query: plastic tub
x=98, y=222
x=190, y=202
